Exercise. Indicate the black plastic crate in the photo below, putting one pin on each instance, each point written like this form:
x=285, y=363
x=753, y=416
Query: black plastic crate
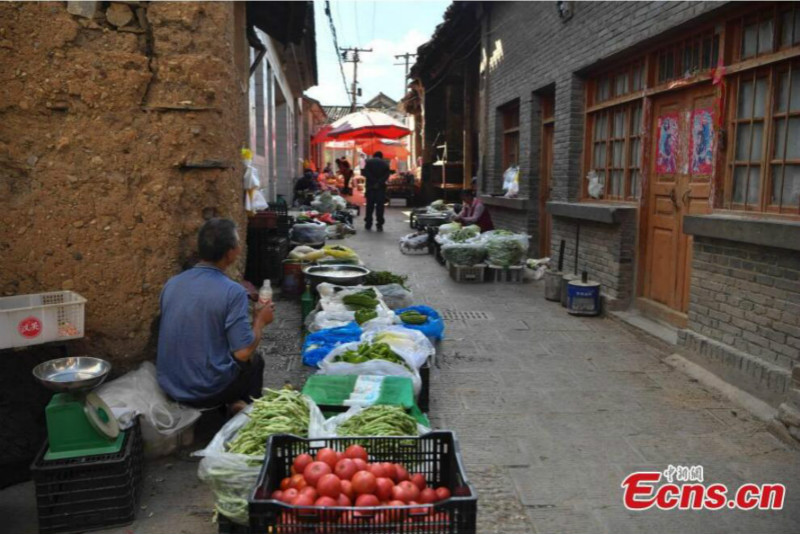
x=89, y=493
x=226, y=526
x=436, y=455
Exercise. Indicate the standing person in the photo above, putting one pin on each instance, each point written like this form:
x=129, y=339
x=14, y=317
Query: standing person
x=376, y=171
x=346, y=171
x=206, y=346
x=474, y=211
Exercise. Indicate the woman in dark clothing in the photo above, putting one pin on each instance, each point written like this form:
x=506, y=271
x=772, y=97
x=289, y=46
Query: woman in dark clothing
x=474, y=212
x=343, y=166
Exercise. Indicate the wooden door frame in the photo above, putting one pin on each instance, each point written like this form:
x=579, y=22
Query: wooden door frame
x=545, y=187
x=656, y=309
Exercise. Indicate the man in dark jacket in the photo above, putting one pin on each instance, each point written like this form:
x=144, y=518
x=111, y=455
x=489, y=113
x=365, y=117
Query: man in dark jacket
x=376, y=172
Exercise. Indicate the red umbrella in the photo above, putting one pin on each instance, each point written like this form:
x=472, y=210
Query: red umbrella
x=322, y=135
x=367, y=124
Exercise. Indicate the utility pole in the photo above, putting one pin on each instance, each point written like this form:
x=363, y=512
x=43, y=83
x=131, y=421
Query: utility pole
x=407, y=56
x=354, y=59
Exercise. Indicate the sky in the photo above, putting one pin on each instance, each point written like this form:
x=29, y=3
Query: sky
x=388, y=27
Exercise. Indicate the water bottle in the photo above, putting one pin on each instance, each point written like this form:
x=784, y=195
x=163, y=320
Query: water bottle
x=264, y=295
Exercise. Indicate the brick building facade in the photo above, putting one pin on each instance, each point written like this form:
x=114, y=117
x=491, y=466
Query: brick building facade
x=680, y=109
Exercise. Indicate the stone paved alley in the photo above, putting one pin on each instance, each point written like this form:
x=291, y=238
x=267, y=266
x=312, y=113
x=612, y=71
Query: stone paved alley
x=552, y=412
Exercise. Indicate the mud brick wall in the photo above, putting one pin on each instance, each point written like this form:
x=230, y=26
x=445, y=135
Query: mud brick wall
x=105, y=113
x=744, y=311
x=605, y=251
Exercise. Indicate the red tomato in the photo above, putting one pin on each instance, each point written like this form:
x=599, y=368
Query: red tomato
x=400, y=494
x=378, y=470
x=356, y=451
x=329, y=486
x=402, y=474
x=442, y=493
x=364, y=482
x=391, y=471
x=301, y=462
x=384, y=488
x=328, y=456
x=345, y=469
x=298, y=482
x=314, y=472
x=289, y=495
x=419, y=481
x=427, y=496
x=310, y=491
x=347, y=489
x=292, y=471
x=361, y=465
x=277, y=494
x=285, y=483
x=344, y=500
x=329, y=515
x=411, y=490
x=367, y=500
x=302, y=500
x=397, y=515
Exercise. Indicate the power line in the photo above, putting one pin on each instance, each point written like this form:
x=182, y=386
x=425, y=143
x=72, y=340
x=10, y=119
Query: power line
x=335, y=43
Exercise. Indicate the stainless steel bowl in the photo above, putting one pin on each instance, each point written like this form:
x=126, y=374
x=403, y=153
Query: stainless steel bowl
x=341, y=275
x=79, y=373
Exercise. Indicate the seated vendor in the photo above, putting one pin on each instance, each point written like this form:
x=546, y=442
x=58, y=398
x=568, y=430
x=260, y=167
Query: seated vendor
x=206, y=346
x=474, y=211
x=305, y=187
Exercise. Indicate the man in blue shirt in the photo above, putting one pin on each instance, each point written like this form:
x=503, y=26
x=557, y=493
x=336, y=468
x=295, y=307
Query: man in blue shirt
x=206, y=346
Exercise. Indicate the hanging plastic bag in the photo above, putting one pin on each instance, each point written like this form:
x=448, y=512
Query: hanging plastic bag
x=433, y=328
x=396, y=296
x=318, y=344
x=511, y=181
x=595, y=187
x=259, y=203
x=138, y=392
x=373, y=367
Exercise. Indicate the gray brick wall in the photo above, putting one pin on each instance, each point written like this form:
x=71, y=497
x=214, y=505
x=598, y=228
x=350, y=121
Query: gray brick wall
x=605, y=251
x=746, y=297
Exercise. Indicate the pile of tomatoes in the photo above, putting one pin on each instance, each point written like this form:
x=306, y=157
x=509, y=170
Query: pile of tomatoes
x=335, y=479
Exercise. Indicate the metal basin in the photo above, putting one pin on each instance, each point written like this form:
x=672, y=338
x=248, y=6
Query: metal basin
x=342, y=275
x=72, y=374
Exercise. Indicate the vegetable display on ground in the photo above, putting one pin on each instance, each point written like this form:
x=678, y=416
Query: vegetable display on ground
x=413, y=317
x=382, y=278
x=363, y=300
x=371, y=351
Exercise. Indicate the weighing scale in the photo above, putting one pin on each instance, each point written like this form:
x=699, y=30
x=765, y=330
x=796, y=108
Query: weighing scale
x=79, y=423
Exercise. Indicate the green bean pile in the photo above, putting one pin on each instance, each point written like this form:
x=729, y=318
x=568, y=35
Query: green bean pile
x=380, y=420
x=277, y=412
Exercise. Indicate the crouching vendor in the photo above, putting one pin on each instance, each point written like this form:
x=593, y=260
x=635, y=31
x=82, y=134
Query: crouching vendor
x=206, y=346
x=474, y=211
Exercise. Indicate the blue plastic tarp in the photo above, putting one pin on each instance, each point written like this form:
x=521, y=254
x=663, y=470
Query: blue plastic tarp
x=319, y=344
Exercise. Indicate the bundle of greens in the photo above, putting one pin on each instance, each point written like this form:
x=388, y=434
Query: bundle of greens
x=283, y=411
x=371, y=351
x=505, y=250
x=382, y=278
x=363, y=300
x=463, y=234
x=379, y=420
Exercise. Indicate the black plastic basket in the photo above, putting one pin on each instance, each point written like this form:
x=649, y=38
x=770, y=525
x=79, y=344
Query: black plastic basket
x=436, y=455
x=226, y=526
x=89, y=493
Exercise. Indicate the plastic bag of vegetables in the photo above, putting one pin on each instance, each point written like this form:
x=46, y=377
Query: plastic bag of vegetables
x=376, y=420
x=433, y=325
x=449, y=227
x=506, y=249
x=412, y=345
x=310, y=232
x=340, y=252
x=464, y=253
x=396, y=296
x=372, y=364
x=465, y=234
x=232, y=460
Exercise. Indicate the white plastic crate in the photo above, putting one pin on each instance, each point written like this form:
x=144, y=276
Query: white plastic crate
x=467, y=274
x=40, y=317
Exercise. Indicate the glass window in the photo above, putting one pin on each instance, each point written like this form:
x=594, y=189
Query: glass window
x=616, y=150
x=765, y=149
